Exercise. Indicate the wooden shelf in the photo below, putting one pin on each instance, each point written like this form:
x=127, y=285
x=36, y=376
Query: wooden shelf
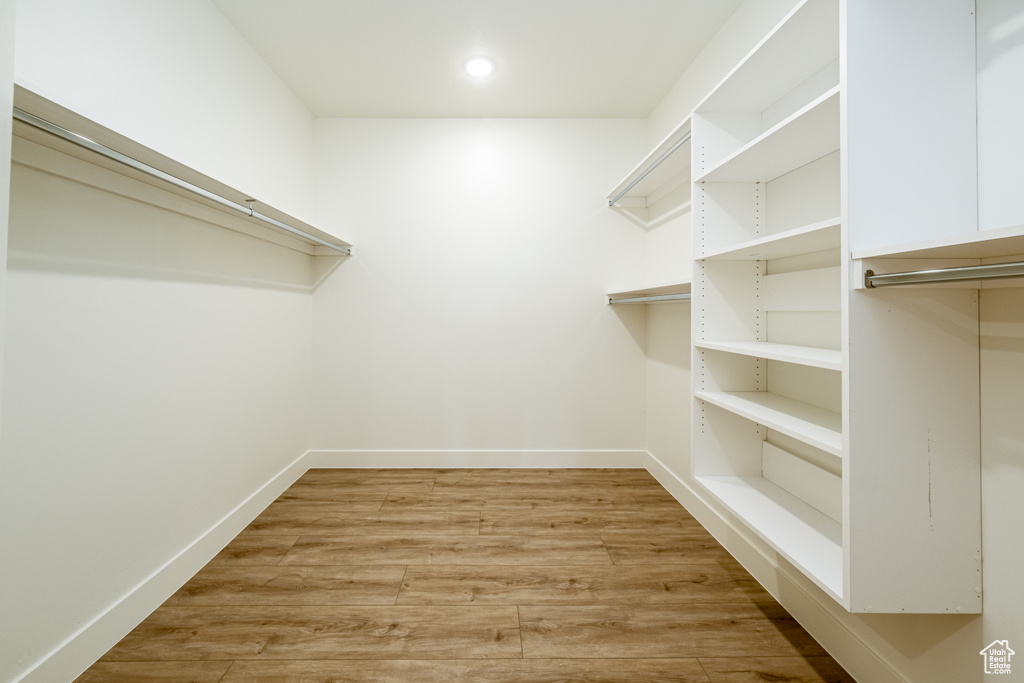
x=810, y=424
x=809, y=134
x=801, y=355
x=803, y=240
x=806, y=537
x=792, y=52
x=672, y=172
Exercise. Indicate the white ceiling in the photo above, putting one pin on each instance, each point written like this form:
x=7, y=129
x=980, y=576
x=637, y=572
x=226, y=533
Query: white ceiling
x=402, y=58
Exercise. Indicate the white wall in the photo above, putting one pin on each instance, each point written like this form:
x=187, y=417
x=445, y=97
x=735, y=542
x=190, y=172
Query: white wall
x=474, y=318
x=6, y=95
x=157, y=374
x=668, y=384
x=175, y=76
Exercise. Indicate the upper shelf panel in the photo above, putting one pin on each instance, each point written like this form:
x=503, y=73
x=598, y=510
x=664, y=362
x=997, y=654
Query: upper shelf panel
x=809, y=134
x=803, y=240
x=676, y=291
x=47, y=123
x=793, y=52
x=982, y=244
x=666, y=167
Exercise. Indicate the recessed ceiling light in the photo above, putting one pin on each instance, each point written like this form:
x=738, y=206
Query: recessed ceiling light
x=479, y=67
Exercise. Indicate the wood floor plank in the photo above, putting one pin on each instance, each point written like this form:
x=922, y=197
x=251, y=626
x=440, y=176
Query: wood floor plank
x=659, y=508
x=489, y=671
x=174, y=633
x=555, y=500
x=255, y=549
x=371, y=476
x=504, y=550
x=496, y=476
x=653, y=494
x=294, y=585
x=154, y=672
x=778, y=669
x=664, y=548
x=339, y=503
x=548, y=585
x=609, y=477
x=691, y=630
x=583, y=520
x=368, y=481
x=313, y=493
x=320, y=519
x=553, y=491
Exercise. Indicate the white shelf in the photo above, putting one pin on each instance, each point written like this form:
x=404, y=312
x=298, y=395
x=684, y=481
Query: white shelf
x=792, y=52
x=803, y=240
x=810, y=424
x=983, y=244
x=681, y=287
x=628, y=296
x=672, y=172
x=801, y=355
x=806, y=537
x=809, y=134
x=290, y=231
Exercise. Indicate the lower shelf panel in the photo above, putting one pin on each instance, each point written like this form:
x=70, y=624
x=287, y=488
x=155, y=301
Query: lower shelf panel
x=813, y=425
x=807, y=538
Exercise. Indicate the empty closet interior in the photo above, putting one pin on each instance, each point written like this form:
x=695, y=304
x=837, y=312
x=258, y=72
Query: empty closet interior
x=791, y=291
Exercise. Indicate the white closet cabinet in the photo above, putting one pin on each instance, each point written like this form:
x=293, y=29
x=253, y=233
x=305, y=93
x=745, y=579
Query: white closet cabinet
x=841, y=425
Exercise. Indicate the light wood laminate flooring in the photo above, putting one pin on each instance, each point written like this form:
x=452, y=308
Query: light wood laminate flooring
x=435, y=576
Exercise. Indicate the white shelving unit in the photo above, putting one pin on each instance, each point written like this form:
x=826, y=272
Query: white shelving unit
x=820, y=421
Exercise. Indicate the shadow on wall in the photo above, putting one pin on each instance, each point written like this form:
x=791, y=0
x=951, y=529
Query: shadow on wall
x=1005, y=22
x=634, y=319
x=61, y=225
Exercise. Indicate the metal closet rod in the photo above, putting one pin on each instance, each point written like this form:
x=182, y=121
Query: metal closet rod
x=995, y=271
x=657, y=162
x=651, y=299
x=82, y=141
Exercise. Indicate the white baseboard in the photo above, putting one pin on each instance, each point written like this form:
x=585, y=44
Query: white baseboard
x=89, y=643
x=817, y=612
x=455, y=459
